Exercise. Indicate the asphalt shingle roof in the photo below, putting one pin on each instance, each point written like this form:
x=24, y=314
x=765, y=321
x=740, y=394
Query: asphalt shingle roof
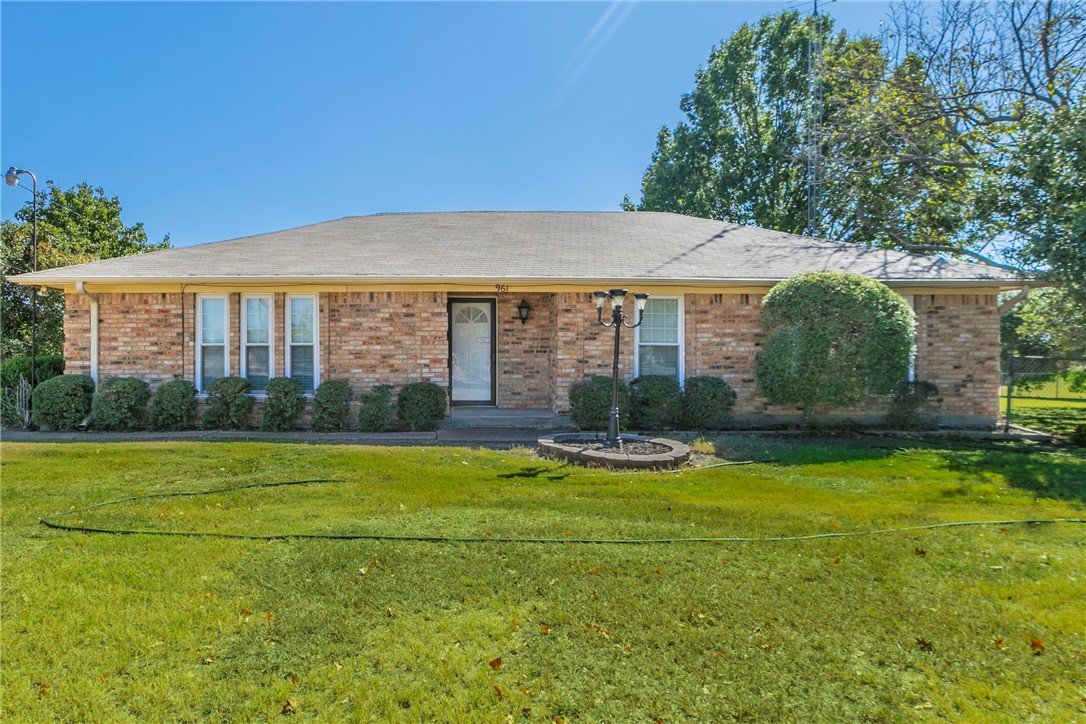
x=558, y=246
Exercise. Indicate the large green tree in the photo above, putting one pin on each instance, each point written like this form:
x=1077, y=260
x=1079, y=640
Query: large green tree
x=76, y=225
x=886, y=175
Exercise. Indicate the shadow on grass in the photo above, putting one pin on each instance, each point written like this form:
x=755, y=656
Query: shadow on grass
x=1060, y=477
x=813, y=450
x=535, y=472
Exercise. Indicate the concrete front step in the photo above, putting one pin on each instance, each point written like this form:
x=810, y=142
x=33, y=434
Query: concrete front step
x=492, y=417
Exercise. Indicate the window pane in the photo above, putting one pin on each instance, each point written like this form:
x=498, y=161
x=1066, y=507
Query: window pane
x=301, y=365
x=301, y=321
x=659, y=361
x=256, y=367
x=212, y=365
x=213, y=313
x=256, y=321
x=661, y=325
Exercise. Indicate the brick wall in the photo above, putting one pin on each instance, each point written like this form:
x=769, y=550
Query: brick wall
x=958, y=350
x=76, y=335
x=582, y=348
x=371, y=338
x=525, y=352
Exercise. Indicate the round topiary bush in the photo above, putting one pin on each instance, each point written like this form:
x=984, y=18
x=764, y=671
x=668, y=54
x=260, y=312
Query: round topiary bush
x=832, y=338
x=229, y=404
x=62, y=402
x=283, y=404
x=120, y=404
x=332, y=406
x=174, y=406
x=657, y=403
x=707, y=403
x=375, y=411
x=421, y=405
x=590, y=404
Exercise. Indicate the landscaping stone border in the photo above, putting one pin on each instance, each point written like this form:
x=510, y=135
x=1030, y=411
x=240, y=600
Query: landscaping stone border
x=570, y=446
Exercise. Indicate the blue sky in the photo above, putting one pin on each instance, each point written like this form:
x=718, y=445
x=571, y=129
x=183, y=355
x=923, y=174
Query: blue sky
x=216, y=120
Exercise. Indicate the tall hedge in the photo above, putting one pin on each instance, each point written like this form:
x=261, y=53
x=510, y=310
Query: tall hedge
x=62, y=402
x=831, y=338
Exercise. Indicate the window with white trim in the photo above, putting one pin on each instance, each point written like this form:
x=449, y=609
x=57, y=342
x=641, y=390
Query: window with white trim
x=256, y=339
x=301, y=341
x=658, y=342
x=212, y=362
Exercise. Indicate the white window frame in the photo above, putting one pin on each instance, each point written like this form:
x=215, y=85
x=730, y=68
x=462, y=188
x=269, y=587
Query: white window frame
x=200, y=337
x=682, y=339
x=911, y=298
x=288, y=343
x=243, y=356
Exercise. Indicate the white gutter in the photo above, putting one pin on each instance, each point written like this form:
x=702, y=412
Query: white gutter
x=93, y=329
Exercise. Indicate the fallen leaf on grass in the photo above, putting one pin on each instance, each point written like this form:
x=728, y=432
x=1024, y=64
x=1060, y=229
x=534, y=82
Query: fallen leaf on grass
x=496, y=664
x=1038, y=646
x=837, y=559
x=921, y=552
x=498, y=692
x=544, y=629
x=268, y=616
x=43, y=690
x=925, y=645
x=290, y=707
x=208, y=661
x=246, y=612
x=998, y=640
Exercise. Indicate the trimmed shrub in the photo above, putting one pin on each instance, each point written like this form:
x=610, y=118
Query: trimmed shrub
x=229, y=404
x=421, y=405
x=120, y=404
x=707, y=403
x=283, y=404
x=915, y=407
x=657, y=403
x=332, y=406
x=174, y=406
x=590, y=404
x=375, y=413
x=48, y=367
x=832, y=339
x=62, y=402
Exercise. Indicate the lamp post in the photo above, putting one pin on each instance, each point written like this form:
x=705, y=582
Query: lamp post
x=618, y=321
x=12, y=179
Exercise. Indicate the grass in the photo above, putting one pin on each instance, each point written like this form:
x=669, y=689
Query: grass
x=939, y=623
x=1060, y=417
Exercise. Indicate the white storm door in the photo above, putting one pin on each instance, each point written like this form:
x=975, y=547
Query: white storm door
x=471, y=329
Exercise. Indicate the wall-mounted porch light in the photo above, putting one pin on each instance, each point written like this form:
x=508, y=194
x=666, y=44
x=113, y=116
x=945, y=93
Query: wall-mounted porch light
x=522, y=311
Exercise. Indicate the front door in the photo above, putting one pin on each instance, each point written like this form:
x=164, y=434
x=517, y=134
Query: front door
x=471, y=351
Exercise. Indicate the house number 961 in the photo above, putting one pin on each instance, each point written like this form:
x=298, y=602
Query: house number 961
x=501, y=287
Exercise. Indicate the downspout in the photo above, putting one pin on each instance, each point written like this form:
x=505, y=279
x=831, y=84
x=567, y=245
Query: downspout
x=93, y=329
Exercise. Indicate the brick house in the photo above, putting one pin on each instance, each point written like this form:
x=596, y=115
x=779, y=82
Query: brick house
x=397, y=298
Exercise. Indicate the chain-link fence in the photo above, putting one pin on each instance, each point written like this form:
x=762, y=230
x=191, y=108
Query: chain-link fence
x=1049, y=389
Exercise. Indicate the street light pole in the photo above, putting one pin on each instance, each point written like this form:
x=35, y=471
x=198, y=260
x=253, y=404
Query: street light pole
x=618, y=321
x=12, y=179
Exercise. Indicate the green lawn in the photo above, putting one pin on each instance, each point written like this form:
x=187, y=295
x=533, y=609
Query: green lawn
x=1056, y=416
x=946, y=623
